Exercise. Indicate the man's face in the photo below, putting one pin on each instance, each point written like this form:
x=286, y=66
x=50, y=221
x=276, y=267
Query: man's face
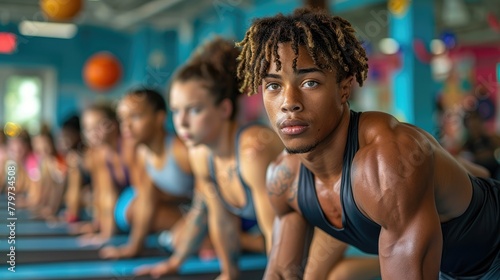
x=303, y=105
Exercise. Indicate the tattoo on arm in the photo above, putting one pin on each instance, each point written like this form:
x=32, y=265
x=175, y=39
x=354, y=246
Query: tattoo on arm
x=281, y=178
x=293, y=192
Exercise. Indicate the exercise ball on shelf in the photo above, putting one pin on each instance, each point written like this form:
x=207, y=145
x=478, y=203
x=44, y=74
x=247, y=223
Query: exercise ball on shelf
x=102, y=71
x=61, y=10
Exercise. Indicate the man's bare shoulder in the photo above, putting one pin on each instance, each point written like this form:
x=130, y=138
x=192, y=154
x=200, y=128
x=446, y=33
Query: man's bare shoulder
x=383, y=128
x=394, y=164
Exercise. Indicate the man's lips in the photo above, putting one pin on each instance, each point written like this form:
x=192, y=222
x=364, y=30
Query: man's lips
x=293, y=126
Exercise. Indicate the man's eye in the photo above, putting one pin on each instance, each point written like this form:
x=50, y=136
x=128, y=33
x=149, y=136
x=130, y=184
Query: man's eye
x=272, y=86
x=310, y=84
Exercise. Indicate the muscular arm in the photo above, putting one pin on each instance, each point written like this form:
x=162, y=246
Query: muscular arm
x=393, y=185
x=292, y=234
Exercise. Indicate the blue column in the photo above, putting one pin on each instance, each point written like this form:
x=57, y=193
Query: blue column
x=413, y=84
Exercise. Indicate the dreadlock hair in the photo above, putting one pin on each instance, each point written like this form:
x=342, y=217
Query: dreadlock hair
x=214, y=64
x=152, y=96
x=329, y=40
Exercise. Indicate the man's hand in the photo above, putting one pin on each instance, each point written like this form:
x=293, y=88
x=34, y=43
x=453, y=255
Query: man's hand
x=170, y=266
x=111, y=252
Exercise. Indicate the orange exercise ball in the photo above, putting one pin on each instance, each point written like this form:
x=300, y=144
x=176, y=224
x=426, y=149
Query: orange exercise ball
x=61, y=10
x=102, y=71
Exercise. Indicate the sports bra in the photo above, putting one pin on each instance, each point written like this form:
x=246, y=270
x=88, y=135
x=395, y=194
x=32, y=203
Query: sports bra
x=170, y=178
x=248, y=210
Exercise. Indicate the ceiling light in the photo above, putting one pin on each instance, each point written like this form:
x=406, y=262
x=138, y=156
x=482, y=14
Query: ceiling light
x=47, y=29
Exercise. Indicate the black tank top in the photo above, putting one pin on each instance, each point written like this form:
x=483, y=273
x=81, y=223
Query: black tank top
x=470, y=242
x=356, y=230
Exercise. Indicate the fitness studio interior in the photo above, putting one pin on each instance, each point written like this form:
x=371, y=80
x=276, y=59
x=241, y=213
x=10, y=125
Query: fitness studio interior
x=107, y=106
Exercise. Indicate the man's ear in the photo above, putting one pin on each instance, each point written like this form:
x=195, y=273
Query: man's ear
x=346, y=88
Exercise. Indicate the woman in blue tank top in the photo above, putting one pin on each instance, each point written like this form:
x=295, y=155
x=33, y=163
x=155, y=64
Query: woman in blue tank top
x=229, y=160
x=161, y=173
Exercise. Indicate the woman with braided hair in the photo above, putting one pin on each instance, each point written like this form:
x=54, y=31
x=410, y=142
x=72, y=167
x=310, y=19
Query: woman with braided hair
x=366, y=179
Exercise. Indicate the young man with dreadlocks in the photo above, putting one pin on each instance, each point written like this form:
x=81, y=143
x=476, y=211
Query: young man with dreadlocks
x=366, y=179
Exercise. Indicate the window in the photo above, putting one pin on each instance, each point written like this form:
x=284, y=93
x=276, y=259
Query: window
x=26, y=97
x=23, y=101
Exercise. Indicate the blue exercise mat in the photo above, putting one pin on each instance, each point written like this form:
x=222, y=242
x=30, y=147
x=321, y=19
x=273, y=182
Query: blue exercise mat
x=29, y=250
x=67, y=243
x=33, y=228
x=22, y=215
x=353, y=251
x=120, y=269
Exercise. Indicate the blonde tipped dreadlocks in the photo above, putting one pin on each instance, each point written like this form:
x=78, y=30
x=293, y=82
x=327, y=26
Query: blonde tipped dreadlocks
x=329, y=40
